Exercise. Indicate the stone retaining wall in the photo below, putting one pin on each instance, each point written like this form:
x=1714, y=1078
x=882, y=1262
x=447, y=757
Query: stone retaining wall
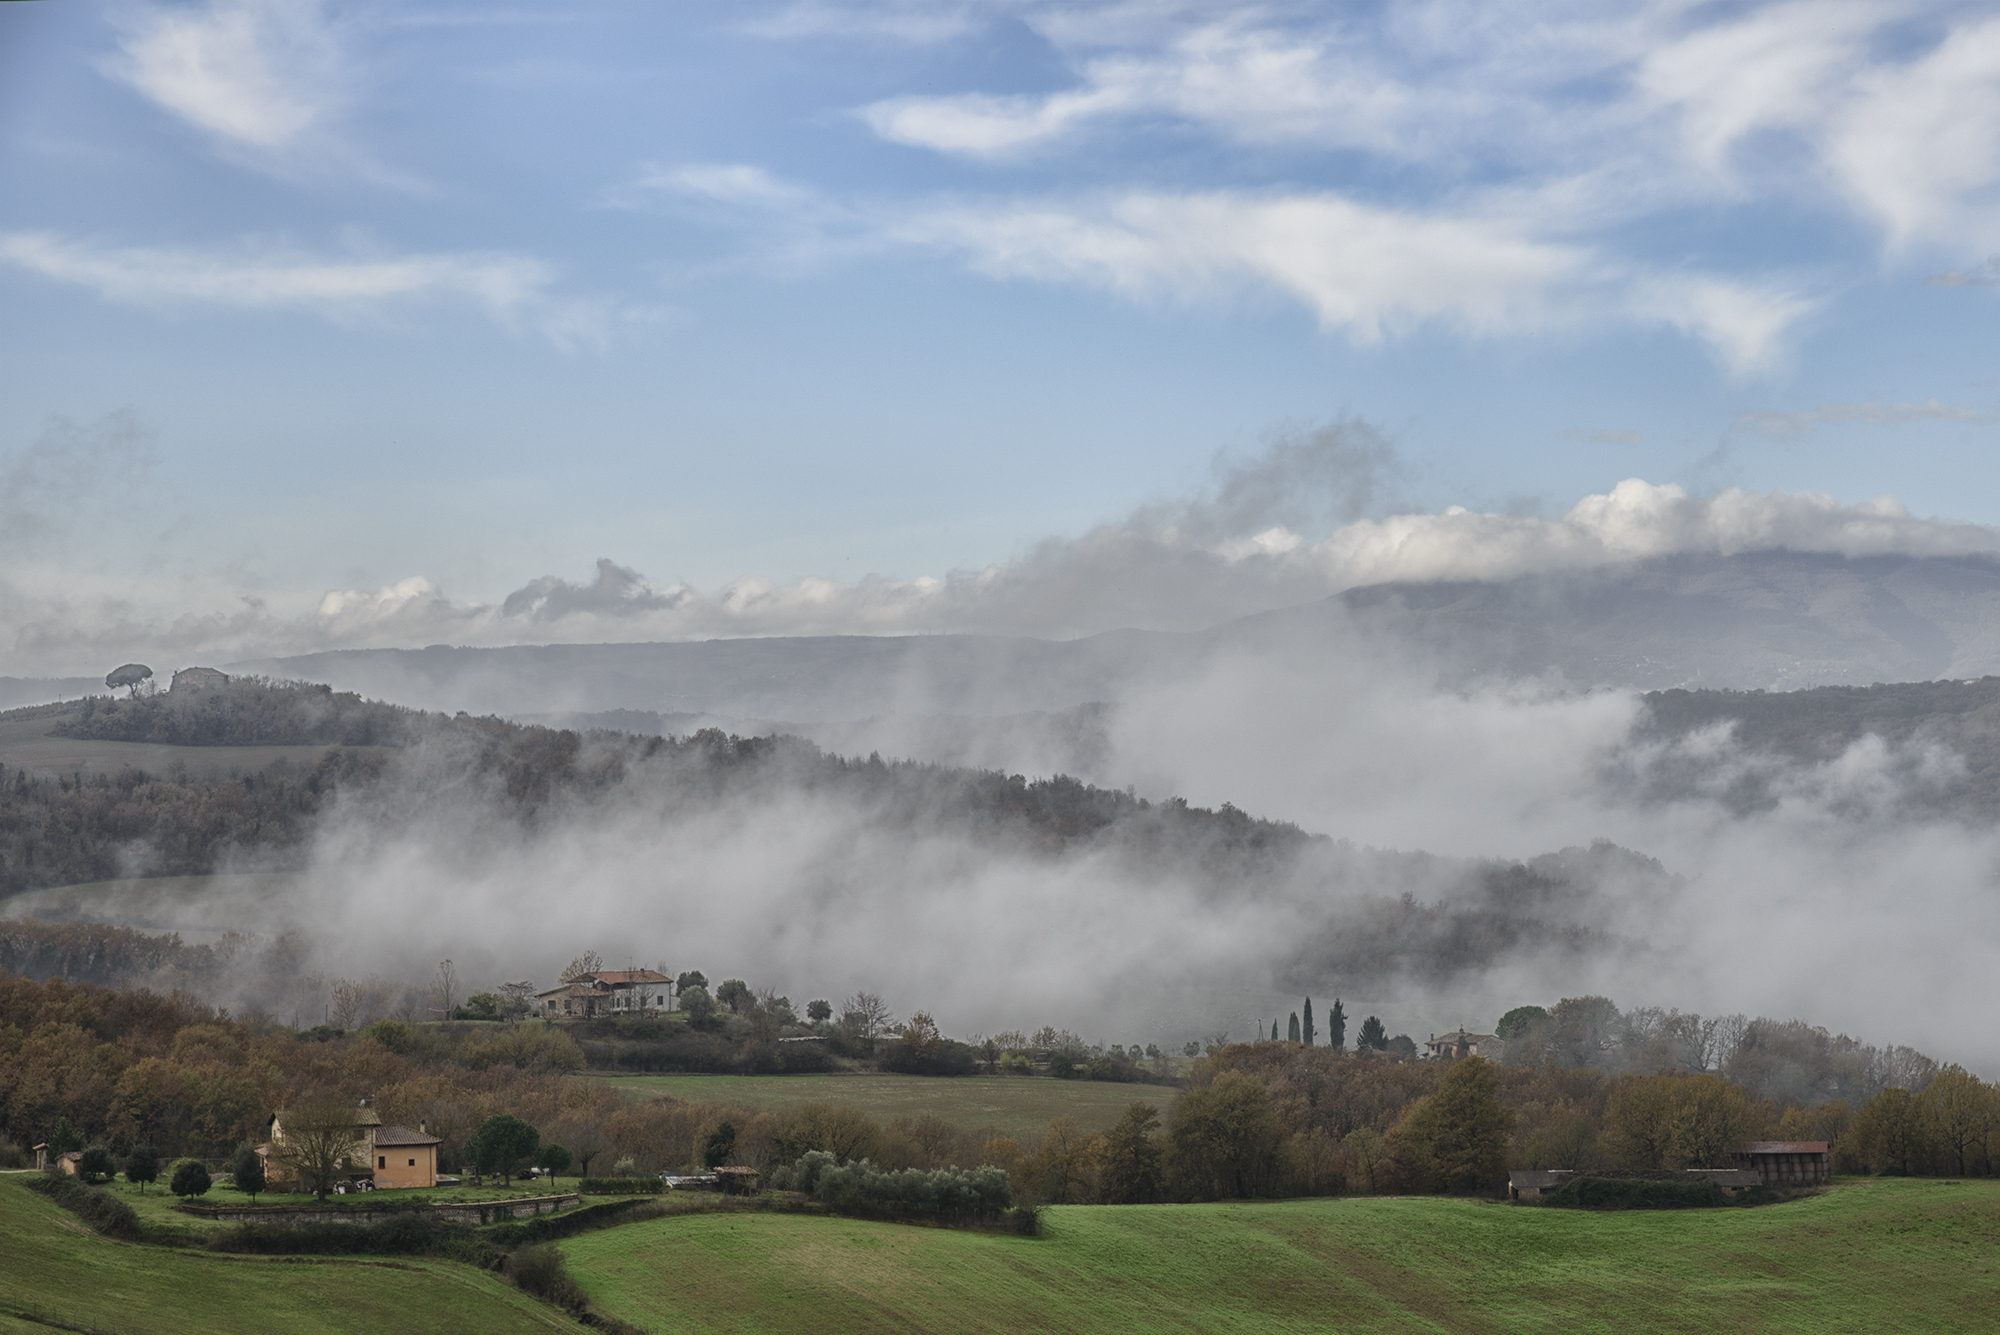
x=451, y=1212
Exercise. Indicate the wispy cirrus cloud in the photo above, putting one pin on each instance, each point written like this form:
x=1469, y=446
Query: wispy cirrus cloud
x=1794, y=424
x=269, y=82
x=922, y=22
x=1364, y=270
x=514, y=291
x=1572, y=122
x=1983, y=275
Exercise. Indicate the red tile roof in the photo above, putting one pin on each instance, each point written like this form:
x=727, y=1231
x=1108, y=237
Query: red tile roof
x=402, y=1135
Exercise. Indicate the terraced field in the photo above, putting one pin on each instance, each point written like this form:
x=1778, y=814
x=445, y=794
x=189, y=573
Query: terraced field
x=1867, y=1256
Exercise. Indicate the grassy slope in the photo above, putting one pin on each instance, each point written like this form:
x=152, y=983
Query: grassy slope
x=1017, y=1106
x=54, y=1265
x=26, y=743
x=1867, y=1256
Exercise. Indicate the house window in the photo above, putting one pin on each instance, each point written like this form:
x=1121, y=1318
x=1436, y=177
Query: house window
x=381, y=1161
x=413, y=1163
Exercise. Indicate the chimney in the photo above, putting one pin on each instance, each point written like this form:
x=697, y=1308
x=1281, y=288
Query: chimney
x=423, y=1127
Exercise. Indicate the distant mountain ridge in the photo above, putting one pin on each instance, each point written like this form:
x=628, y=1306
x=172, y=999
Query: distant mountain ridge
x=1758, y=621
x=1771, y=620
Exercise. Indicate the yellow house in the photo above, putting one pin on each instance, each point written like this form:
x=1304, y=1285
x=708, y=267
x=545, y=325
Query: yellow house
x=405, y=1158
x=393, y=1156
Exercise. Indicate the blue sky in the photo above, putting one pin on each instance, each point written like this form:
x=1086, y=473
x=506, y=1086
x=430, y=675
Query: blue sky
x=318, y=299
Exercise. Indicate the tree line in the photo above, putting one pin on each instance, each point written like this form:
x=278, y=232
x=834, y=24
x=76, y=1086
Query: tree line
x=126, y=1069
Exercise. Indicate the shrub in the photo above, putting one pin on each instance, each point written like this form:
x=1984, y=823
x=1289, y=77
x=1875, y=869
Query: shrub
x=190, y=1179
x=1634, y=1193
x=551, y=1227
x=621, y=1186
x=948, y=1058
x=409, y=1234
x=97, y=1165
x=947, y=1195
x=95, y=1206
x=398, y=1037
x=539, y=1270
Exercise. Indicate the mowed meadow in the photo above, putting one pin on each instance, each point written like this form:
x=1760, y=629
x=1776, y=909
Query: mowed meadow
x=57, y=1274
x=997, y=1105
x=1866, y=1256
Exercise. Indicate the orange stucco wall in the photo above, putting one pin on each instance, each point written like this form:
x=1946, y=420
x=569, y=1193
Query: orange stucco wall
x=398, y=1166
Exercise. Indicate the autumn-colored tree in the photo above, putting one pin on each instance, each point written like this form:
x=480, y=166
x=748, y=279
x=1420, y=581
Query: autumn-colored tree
x=1459, y=1134
x=1220, y=1139
x=1888, y=1134
x=584, y=965
x=1132, y=1173
x=1673, y=1120
x=1064, y=1170
x=1567, y=1140
x=1960, y=1115
x=845, y=1133
x=921, y=1036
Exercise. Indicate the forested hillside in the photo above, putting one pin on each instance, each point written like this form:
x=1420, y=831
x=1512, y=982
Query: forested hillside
x=250, y=712
x=1368, y=915
x=1959, y=720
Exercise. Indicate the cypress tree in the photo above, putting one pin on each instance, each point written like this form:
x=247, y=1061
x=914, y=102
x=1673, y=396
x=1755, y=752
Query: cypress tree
x=1293, y=1031
x=1274, y=1031
x=1336, y=1026
x=1306, y=1029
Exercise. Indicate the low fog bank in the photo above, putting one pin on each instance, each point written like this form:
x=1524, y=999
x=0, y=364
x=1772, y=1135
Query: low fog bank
x=1074, y=741
x=1845, y=893
x=21, y=692
x=1822, y=883
x=992, y=903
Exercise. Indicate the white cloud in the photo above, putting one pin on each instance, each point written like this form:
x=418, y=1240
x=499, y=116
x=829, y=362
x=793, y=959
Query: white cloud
x=1631, y=109
x=1782, y=425
x=259, y=73
x=268, y=81
x=1368, y=271
x=1184, y=567
x=512, y=290
x=1365, y=270
x=726, y=183
x=1248, y=82
x=1744, y=323
x=1919, y=145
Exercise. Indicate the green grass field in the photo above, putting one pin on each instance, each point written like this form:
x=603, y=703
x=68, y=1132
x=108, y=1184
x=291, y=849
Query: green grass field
x=53, y=1266
x=1006, y=1105
x=1867, y=1256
